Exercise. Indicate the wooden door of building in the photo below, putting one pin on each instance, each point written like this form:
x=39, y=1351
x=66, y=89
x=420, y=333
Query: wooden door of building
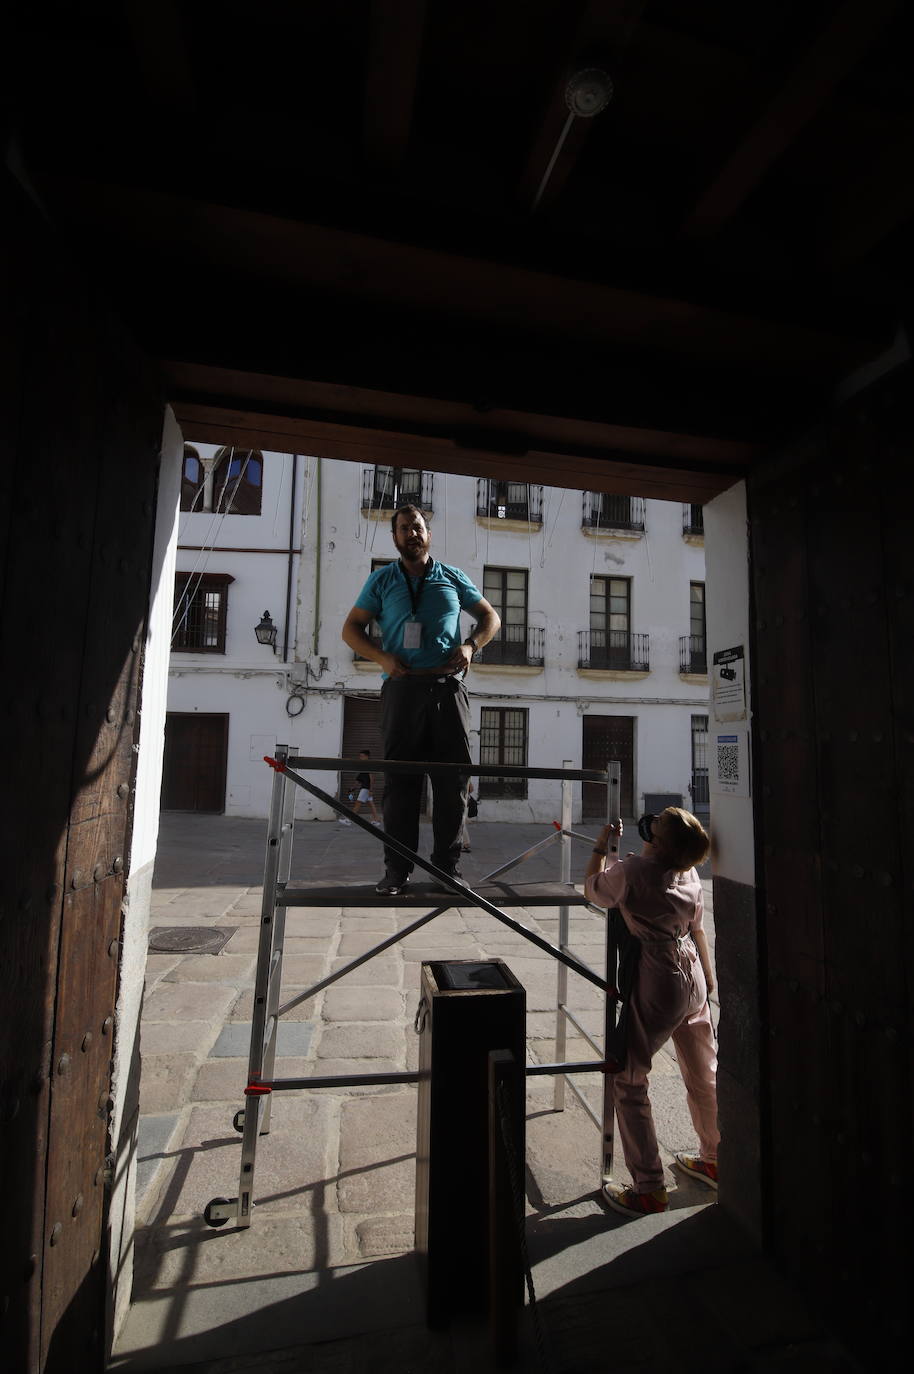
x=606, y=738
x=196, y=757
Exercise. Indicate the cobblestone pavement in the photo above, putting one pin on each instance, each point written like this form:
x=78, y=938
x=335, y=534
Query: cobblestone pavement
x=335, y=1177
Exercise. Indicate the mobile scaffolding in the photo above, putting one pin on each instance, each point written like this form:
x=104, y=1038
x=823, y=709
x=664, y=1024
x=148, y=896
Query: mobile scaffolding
x=492, y=895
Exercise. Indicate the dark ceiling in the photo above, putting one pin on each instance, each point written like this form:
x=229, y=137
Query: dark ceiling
x=368, y=228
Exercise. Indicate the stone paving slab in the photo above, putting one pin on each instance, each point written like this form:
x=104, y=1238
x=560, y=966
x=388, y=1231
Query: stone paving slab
x=237, y=969
x=243, y=1008
x=168, y=1037
x=154, y=1134
x=190, y=1252
x=223, y=1080
x=378, y=1154
x=360, y=1041
x=302, y=969
x=188, y=1002
x=233, y=1041
x=293, y=1161
x=166, y=1082
x=340, y=1067
x=362, y=1004
x=385, y=969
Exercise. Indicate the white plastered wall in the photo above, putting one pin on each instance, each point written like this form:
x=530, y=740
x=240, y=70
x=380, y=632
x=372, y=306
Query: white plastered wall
x=135, y=926
x=727, y=565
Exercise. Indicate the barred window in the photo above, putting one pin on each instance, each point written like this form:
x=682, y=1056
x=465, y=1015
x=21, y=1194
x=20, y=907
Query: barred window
x=201, y=605
x=503, y=739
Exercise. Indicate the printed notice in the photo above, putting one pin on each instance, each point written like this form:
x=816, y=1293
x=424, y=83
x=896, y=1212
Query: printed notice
x=731, y=763
x=729, y=684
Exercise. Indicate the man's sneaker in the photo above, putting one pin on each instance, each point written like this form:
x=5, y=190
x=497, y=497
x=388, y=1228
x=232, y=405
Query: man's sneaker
x=702, y=1169
x=391, y=885
x=632, y=1204
x=343, y=821
x=452, y=871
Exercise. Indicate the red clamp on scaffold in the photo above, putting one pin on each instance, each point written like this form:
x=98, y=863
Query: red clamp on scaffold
x=274, y=763
x=258, y=1089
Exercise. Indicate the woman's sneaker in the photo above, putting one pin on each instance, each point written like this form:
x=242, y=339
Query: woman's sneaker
x=702, y=1169
x=632, y=1204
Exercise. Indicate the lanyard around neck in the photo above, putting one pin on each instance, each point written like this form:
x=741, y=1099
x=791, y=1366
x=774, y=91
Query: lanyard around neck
x=415, y=594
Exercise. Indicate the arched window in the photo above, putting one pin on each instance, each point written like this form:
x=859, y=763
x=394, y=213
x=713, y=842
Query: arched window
x=192, y=477
x=238, y=481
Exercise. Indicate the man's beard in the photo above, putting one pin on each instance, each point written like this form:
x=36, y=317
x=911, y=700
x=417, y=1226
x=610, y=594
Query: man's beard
x=411, y=552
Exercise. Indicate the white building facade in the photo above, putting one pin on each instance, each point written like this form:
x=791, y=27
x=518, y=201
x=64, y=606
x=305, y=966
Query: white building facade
x=602, y=652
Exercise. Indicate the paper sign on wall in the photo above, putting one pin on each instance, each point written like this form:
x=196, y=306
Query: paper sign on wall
x=729, y=684
x=731, y=762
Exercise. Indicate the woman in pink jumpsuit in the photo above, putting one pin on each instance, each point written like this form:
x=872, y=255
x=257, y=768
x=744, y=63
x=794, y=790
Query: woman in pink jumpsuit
x=660, y=897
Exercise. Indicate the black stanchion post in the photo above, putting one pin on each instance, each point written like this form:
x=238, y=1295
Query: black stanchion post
x=506, y=1208
x=467, y=1009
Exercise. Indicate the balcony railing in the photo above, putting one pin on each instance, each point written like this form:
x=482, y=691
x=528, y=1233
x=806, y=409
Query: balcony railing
x=602, y=512
x=615, y=649
x=388, y=488
x=693, y=519
x=509, y=500
x=693, y=654
x=522, y=645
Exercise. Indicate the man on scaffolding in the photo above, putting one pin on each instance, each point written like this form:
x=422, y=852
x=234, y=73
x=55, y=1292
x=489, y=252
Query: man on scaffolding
x=425, y=710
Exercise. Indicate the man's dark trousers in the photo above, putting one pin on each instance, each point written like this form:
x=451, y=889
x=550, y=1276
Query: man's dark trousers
x=424, y=718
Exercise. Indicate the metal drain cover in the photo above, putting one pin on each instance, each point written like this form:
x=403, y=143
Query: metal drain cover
x=189, y=939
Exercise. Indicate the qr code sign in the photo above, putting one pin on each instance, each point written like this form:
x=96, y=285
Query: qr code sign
x=728, y=762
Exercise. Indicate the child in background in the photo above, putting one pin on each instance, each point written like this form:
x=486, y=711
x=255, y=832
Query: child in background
x=660, y=897
x=365, y=794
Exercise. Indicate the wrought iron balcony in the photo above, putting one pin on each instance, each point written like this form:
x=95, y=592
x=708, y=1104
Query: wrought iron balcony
x=693, y=519
x=616, y=649
x=516, y=644
x=693, y=654
x=509, y=500
x=603, y=512
x=386, y=488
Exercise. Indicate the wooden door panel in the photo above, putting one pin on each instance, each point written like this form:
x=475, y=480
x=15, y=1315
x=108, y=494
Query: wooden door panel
x=607, y=738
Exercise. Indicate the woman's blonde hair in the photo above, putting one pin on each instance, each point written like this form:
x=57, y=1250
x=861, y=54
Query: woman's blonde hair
x=685, y=841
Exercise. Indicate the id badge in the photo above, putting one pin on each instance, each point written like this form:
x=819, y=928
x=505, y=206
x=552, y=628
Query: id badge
x=412, y=635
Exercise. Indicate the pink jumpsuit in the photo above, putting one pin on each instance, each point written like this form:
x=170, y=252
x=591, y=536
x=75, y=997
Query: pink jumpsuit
x=661, y=909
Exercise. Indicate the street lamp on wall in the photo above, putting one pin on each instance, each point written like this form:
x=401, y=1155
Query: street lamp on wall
x=266, y=630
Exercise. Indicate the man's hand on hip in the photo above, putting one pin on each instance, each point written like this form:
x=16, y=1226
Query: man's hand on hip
x=460, y=659
x=393, y=666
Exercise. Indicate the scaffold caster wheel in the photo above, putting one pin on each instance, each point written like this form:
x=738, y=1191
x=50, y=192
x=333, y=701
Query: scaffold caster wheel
x=238, y=1121
x=212, y=1209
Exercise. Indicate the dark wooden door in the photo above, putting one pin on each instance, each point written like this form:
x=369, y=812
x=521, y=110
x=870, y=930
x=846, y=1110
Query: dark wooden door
x=196, y=754
x=606, y=738
x=78, y=469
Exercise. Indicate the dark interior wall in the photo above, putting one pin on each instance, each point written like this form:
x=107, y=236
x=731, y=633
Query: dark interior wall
x=832, y=538
x=80, y=446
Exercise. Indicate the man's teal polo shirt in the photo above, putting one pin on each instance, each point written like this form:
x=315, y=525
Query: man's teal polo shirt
x=445, y=593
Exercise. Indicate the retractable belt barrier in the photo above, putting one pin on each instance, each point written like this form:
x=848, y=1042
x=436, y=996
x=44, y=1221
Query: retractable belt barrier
x=253, y=1120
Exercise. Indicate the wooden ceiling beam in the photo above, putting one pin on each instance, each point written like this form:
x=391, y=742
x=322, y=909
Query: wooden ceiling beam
x=599, y=39
x=395, y=36
x=262, y=252
x=613, y=471
x=869, y=206
x=161, y=54
x=836, y=50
